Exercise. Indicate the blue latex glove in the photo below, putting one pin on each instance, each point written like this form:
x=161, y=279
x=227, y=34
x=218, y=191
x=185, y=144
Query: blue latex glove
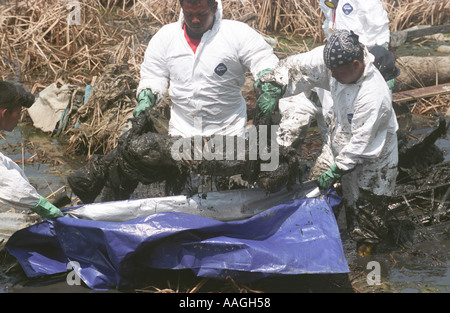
x=46, y=209
x=327, y=179
x=146, y=100
x=268, y=93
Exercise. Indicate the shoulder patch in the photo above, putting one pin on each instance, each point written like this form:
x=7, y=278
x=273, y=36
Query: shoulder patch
x=347, y=8
x=221, y=69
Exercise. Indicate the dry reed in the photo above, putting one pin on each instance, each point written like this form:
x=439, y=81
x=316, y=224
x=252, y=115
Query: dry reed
x=38, y=45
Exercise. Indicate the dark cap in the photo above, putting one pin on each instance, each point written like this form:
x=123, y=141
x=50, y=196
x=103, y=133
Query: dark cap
x=385, y=62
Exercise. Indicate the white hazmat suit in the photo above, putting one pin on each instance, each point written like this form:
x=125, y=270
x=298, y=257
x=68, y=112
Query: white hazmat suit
x=369, y=20
x=17, y=192
x=206, y=87
x=362, y=123
x=15, y=189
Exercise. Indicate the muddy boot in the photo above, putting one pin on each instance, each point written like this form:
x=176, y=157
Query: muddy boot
x=88, y=181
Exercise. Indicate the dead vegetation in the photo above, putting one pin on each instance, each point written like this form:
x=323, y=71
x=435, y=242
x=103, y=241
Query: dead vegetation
x=43, y=41
x=39, y=47
x=404, y=14
x=432, y=106
x=96, y=125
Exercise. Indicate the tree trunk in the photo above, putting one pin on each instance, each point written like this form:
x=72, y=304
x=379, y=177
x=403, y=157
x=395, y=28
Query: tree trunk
x=418, y=72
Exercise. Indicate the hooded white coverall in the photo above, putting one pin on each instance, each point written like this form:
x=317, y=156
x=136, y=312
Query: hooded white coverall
x=367, y=19
x=206, y=87
x=15, y=189
x=362, y=123
x=370, y=22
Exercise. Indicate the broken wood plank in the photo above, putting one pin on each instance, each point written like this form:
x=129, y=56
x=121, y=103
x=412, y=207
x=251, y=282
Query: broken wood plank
x=426, y=92
x=428, y=31
x=400, y=37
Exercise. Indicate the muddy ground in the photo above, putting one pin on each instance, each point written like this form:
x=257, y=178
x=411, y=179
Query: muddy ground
x=416, y=261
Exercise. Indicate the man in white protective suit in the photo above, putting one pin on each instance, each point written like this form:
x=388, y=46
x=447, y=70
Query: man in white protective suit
x=203, y=60
x=369, y=20
x=15, y=190
x=362, y=128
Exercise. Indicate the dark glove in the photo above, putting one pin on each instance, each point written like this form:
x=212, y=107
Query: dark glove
x=146, y=100
x=327, y=179
x=268, y=93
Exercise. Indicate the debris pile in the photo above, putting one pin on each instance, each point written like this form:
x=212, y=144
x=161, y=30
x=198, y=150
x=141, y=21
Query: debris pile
x=145, y=156
x=425, y=196
x=97, y=124
x=422, y=192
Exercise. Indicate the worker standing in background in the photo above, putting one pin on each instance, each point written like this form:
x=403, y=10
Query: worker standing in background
x=368, y=19
x=15, y=189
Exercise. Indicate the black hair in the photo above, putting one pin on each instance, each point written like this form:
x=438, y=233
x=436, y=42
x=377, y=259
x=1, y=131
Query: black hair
x=210, y=2
x=360, y=56
x=14, y=96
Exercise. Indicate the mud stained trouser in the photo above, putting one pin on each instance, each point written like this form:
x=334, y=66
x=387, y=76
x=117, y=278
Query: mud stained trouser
x=366, y=217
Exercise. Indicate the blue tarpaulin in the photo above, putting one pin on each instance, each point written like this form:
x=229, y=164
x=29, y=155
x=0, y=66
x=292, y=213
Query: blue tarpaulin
x=296, y=237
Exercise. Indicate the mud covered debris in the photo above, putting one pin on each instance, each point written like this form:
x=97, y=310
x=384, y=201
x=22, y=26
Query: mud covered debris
x=423, y=184
x=145, y=156
x=417, y=149
x=99, y=121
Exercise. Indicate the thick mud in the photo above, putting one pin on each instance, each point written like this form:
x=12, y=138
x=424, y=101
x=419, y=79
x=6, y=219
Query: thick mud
x=419, y=263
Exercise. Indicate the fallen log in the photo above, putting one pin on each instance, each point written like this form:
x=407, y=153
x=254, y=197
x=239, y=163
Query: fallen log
x=419, y=72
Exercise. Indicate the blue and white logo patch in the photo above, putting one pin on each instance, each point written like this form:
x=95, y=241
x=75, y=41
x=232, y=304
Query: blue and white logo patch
x=347, y=9
x=221, y=69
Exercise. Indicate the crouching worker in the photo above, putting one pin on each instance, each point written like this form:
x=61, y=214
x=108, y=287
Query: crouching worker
x=362, y=129
x=15, y=189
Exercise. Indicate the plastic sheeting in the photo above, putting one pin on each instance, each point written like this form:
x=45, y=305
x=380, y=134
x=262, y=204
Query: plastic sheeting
x=296, y=237
x=48, y=109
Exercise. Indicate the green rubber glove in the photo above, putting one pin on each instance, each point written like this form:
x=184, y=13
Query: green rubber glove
x=268, y=93
x=46, y=209
x=146, y=100
x=391, y=83
x=327, y=179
